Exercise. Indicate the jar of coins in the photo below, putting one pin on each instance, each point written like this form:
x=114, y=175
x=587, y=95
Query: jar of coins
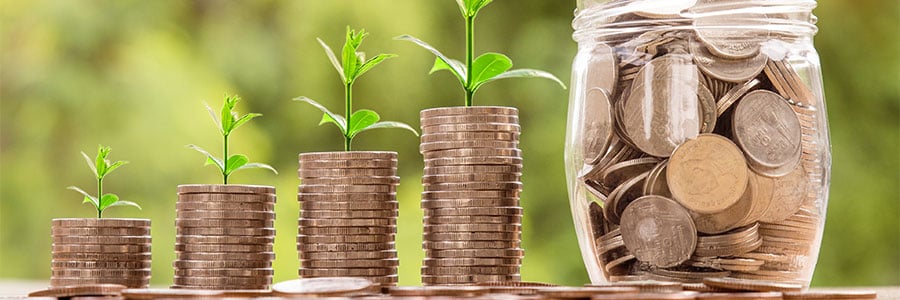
x=697, y=143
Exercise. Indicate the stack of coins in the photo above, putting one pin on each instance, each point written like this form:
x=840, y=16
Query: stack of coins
x=471, y=195
x=96, y=251
x=224, y=237
x=348, y=215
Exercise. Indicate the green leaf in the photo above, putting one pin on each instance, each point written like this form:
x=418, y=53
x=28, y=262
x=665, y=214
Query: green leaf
x=258, y=166
x=100, y=161
x=90, y=163
x=350, y=59
x=87, y=197
x=390, y=124
x=526, y=73
x=235, y=162
x=244, y=119
x=115, y=165
x=360, y=120
x=107, y=200
x=488, y=66
x=125, y=203
x=440, y=65
x=333, y=59
x=454, y=67
x=371, y=63
x=329, y=117
x=227, y=114
x=470, y=8
x=209, y=157
x=212, y=114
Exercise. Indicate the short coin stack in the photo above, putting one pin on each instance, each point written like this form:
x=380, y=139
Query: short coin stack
x=224, y=237
x=94, y=251
x=471, y=193
x=348, y=215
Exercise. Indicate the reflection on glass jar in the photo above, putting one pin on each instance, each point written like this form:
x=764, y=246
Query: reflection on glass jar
x=697, y=142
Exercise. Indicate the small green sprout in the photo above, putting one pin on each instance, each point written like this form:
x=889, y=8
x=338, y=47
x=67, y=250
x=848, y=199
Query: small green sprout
x=486, y=68
x=353, y=64
x=227, y=121
x=102, y=167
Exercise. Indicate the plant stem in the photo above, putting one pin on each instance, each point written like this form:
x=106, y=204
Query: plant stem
x=470, y=52
x=348, y=111
x=99, y=197
x=225, y=160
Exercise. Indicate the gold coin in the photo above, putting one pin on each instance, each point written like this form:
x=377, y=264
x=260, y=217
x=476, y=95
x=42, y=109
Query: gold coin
x=468, y=110
x=468, y=160
x=453, y=195
x=349, y=164
x=373, y=180
x=470, y=119
x=224, y=189
x=348, y=155
x=475, y=253
x=334, y=239
x=466, y=270
x=359, y=230
x=341, y=173
x=349, y=214
x=475, y=211
x=473, y=228
x=225, y=214
x=350, y=263
x=101, y=240
x=99, y=223
x=345, y=247
x=348, y=255
x=466, y=144
x=100, y=231
x=363, y=201
x=707, y=174
x=210, y=197
x=470, y=262
x=223, y=248
x=259, y=256
x=204, y=223
x=648, y=219
x=221, y=264
x=323, y=287
x=459, y=203
x=473, y=220
x=225, y=231
x=475, y=185
x=346, y=189
x=82, y=290
x=347, y=222
x=476, y=135
x=135, y=248
x=234, y=273
x=341, y=272
x=230, y=206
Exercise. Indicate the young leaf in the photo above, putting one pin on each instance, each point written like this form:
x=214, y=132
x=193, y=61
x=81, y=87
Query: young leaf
x=329, y=116
x=371, y=63
x=125, y=203
x=440, y=65
x=100, y=161
x=212, y=114
x=90, y=163
x=526, y=73
x=360, y=120
x=350, y=59
x=470, y=8
x=115, y=165
x=244, y=119
x=390, y=124
x=227, y=116
x=258, y=166
x=488, y=66
x=209, y=157
x=456, y=68
x=107, y=200
x=235, y=162
x=87, y=197
x=333, y=59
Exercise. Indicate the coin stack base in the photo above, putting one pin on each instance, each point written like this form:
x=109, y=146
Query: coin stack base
x=348, y=215
x=224, y=237
x=471, y=193
x=100, y=251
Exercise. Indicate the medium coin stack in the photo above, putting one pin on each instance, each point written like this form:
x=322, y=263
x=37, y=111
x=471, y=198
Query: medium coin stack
x=224, y=237
x=96, y=251
x=471, y=193
x=348, y=215
x=702, y=146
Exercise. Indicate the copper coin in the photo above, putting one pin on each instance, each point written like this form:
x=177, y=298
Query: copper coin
x=466, y=144
x=763, y=192
x=483, y=177
x=80, y=290
x=348, y=255
x=584, y=292
x=59, y=265
x=351, y=263
x=475, y=253
x=203, y=223
x=82, y=281
x=751, y=285
x=437, y=291
x=223, y=248
x=339, y=173
x=345, y=247
x=347, y=222
x=472, y=152
x=830, y=295
x=788, y=194
x=474, y=186
x=222, y=290
x=348, y=155
x=357, y=230
x=473, y=228
x=468, y=119
x=349, y=164
x=467, y=279
x=335, y=286
x=349, y=214
x=101, y=273
x=707, y=174
x=211, y=197
x=466, y=270
x=334, y=239
x=258, y=256
x=475, y=211
x=225, y=214
x=340, y=272
x=472, y=127
x=467, y=110
x=456, y=203
x=372, y=180
x=235, y=206
x=453, y=195
x=223, y=282
x=101, y=256
x=96, y=223
x=651, y=286
x=149, y=294
x=740, y=296
x=346, y=189
x=730, y=218
x=223, y=231
x=658, y=231
x=100, y=231
x=235, y=273
x=100, y=240
x=348, y=201
x=473, y=169
x=224, y=189
x=483, y=135
x=101, y=248
x=469, y=262
x=473, y=220
x=440, y=161
x=447, y=245
x=221, y=264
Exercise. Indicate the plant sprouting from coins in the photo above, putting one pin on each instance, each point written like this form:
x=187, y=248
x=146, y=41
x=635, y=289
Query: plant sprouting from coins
x=101, y=166
x=477, y=71
x=227, y=121
x=353, y=64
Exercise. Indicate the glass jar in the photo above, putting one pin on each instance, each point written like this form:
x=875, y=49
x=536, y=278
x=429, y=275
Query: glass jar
x=697, y=141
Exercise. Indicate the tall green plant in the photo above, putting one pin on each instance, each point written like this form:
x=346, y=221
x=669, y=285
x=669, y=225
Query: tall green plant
x=353, y=64
x=101, y=167
x=483, y=69
x=227, y=121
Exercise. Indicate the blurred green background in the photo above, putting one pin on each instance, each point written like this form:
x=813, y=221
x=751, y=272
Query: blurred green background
x=134, y=75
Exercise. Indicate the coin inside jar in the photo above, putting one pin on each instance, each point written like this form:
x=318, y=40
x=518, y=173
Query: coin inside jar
x=658, y=231
x=768, y=131
x=707, y=174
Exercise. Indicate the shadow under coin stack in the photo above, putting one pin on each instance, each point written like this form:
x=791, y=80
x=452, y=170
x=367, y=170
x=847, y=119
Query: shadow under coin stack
x=348, y=215
x=224, y=237
x=95, y=251
x=471, y=195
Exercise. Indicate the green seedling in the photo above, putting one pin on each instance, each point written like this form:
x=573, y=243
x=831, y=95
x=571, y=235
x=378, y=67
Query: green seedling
x=227, y=121
x=477, y=71
x=102, y=167
x=353, y=64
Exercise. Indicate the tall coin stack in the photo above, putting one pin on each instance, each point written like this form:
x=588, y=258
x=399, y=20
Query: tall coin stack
x=224, y=237
x=94, y=251
x=348, y=216
x=471, y=195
